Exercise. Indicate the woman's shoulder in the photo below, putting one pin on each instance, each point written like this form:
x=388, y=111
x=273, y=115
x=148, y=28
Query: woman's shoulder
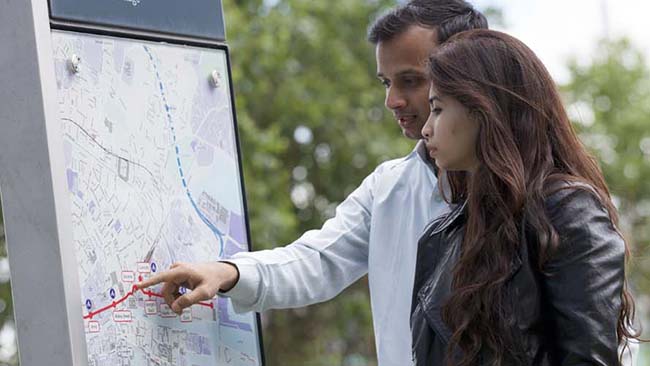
x=580, y=216
x=571, y=196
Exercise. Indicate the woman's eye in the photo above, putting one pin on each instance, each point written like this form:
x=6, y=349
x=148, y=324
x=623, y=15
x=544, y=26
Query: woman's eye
x=436, y=111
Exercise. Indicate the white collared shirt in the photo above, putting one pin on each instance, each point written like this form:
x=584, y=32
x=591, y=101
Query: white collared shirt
x=375, y=231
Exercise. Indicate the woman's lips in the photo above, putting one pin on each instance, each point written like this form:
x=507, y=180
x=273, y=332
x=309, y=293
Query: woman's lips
x=432, y=151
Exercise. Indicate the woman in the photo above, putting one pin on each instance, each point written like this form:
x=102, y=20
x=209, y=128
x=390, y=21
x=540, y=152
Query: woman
x=528, y=269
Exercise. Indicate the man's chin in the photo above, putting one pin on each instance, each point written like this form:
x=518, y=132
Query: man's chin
x=412, y=135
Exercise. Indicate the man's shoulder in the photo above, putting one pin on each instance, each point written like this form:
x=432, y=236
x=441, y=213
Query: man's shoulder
x=399, y=164
x=408, y=171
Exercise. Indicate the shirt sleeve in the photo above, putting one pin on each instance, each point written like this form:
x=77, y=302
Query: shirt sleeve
x=584, y=279
x=314, y=268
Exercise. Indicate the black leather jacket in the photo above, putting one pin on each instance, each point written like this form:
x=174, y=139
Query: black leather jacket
x=566, y=314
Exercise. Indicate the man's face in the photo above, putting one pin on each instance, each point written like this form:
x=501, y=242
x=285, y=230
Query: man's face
x=402, y=68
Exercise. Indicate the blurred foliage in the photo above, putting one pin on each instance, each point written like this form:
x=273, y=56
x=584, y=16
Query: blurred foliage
x=5, y=288
x=312, y=126
x=6, y=305
x=495, y=17
x=609, y=99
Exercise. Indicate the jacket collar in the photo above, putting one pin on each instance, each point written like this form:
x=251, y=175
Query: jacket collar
x=437, y=287
x=457, y=211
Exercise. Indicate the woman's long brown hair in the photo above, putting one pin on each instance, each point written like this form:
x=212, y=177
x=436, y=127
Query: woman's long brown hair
x=526, y=143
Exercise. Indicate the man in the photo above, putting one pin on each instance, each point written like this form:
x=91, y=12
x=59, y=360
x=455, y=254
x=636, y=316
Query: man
x=376, y=229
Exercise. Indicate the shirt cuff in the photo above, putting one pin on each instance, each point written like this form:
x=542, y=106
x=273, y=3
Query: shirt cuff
x=244, y=295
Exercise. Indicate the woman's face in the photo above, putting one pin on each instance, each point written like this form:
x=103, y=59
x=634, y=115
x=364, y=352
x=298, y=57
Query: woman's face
x=450, y=134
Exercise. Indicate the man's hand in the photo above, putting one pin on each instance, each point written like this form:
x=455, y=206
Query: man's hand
x=204, y=279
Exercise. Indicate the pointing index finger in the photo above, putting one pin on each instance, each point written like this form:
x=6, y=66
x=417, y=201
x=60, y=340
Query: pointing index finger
x=190, y=299
x=159, y=278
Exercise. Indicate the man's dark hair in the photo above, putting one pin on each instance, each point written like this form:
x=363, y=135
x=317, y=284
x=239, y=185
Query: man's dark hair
x=448, y=17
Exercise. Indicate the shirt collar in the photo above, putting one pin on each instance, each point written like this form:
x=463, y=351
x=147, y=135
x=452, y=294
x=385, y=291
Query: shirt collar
x=421, y=151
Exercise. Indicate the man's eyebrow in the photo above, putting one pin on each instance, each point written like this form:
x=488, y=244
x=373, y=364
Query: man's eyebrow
x=411, y=72
x=407, y=72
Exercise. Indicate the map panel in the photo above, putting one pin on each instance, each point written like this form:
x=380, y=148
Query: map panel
x=153, y=178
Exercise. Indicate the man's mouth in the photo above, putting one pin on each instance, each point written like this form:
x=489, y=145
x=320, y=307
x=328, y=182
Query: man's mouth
x=405, y=120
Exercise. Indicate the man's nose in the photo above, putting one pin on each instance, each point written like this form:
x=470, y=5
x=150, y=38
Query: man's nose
x=394, y=99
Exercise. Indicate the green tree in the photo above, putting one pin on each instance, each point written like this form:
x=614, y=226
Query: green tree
x=610, y=101
x=6, y=305
x=312, y=126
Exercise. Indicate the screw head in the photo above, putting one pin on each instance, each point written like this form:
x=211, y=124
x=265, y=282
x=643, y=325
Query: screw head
x=215, y=79
x=74, y=63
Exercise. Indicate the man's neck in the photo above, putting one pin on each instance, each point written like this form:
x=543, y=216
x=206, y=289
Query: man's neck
x=421, y=150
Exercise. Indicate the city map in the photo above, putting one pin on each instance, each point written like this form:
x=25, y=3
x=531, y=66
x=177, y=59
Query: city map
x=153, y=178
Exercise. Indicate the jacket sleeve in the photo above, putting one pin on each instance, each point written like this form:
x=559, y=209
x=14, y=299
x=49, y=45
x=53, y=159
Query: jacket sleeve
x=314, y=268
x=583, y=280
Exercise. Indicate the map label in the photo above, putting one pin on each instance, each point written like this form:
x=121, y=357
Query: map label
x=122, y=316
x=128, y=276
x=93, y=326
x=144, y=267
x=150, y=307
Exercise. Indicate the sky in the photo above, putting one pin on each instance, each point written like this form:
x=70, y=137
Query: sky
x=559, y=29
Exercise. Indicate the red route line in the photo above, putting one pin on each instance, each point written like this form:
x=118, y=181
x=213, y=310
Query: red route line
x=134, y=289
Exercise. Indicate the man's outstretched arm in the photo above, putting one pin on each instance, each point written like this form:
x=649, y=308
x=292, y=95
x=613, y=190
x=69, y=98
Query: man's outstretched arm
x=314, y=268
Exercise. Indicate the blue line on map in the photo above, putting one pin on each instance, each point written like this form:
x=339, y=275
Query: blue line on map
x=205, y=220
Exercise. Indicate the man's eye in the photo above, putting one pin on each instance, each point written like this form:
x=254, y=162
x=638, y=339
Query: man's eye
x=385, y=83
x=408, y=82
x=411, y=81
